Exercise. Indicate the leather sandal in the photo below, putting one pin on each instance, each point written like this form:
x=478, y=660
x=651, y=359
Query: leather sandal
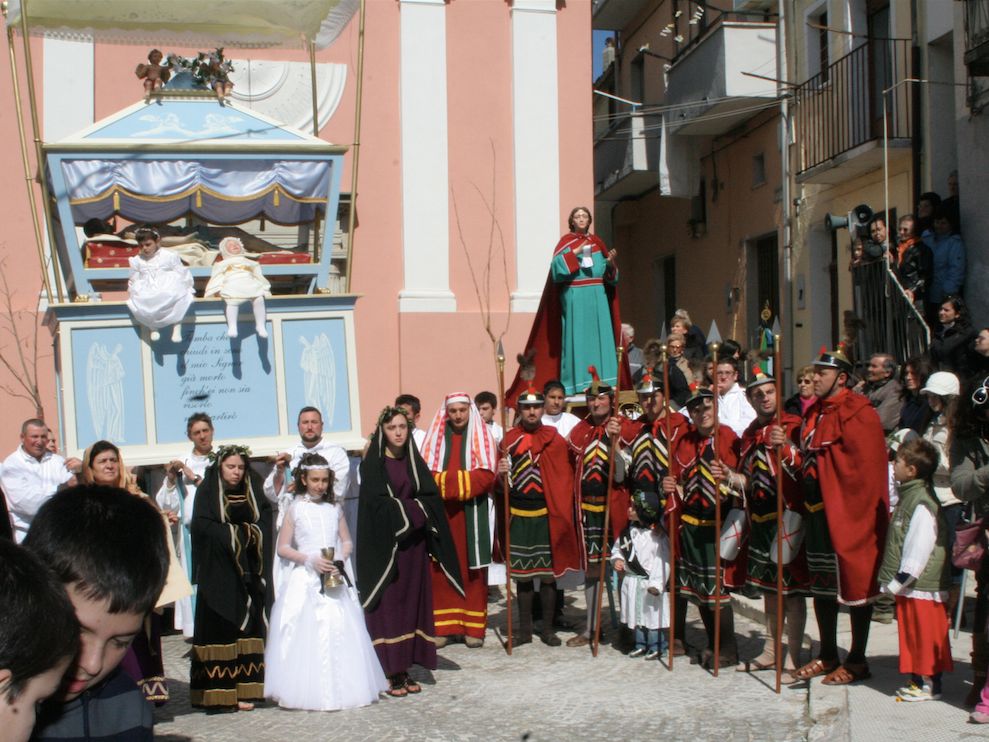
x=813, y=669
x=411, y=685
x=397, y=687
x=848, y=673
x=754, y=666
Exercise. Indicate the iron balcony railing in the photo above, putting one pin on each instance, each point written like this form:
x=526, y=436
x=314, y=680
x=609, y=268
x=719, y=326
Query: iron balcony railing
x=977, y=37
x=887, y=321
x=841, y=107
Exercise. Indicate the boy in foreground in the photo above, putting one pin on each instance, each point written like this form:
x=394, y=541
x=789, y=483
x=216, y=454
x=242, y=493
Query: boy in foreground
x=108, y=549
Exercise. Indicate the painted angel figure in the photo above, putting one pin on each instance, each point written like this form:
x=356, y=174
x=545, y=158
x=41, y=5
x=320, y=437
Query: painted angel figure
x=104, y=382
x=319, y=369
x=237, y=279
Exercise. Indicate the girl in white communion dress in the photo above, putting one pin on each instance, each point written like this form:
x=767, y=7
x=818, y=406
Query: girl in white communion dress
x=318, y=656
x=159, y=287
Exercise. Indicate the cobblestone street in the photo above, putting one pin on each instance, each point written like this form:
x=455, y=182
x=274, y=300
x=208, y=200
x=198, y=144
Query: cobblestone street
x=539, y=694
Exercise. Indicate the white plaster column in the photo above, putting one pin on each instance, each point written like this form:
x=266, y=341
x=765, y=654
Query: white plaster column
x=425, y=168
x=69, y=88
x=535, y=116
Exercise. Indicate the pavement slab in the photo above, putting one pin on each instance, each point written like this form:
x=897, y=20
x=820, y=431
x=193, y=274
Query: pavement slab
x=538, y=694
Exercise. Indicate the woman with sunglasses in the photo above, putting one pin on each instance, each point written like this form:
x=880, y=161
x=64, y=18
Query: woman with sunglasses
x=800, y=402
x=969, y=461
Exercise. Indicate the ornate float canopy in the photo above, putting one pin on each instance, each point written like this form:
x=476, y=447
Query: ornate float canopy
x=234, y=23
x=224, y=165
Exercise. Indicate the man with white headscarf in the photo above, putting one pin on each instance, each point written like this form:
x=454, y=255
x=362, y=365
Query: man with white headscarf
x=461, y=453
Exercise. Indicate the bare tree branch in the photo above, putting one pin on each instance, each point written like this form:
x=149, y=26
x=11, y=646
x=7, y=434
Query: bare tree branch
x=496, y=238
x=23, y=368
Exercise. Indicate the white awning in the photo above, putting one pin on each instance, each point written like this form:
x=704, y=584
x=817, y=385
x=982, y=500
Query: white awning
x=193, y=23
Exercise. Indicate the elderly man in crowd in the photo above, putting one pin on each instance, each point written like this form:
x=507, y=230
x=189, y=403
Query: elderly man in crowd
x=883, y=390
x=32, y=474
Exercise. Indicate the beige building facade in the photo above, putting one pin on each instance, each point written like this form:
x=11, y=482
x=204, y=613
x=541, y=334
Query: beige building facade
x=760, y=123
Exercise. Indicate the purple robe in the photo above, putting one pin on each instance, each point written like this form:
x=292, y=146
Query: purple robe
x=401, y=624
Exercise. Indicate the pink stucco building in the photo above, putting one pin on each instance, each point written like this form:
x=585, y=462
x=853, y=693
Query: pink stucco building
x=475, y=142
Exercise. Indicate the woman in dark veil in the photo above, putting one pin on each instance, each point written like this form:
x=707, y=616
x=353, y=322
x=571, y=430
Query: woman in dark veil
x=401, y=525
x=231, y=563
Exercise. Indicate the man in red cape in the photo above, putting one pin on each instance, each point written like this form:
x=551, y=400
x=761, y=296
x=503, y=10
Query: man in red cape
x=543, y=534
x=590, y=449
x=461, y=452
x=846, y=494
x=700, y=474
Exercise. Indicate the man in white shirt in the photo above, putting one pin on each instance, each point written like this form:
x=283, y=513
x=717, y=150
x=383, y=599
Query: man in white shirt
x=553, y=413
x=734, y=409
x=310, y=424
x=32, y=474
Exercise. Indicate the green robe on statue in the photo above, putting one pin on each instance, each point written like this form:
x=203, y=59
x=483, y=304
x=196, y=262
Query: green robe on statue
x=588, y=335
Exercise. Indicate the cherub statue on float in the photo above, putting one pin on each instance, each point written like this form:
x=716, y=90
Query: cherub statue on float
x=154, y=73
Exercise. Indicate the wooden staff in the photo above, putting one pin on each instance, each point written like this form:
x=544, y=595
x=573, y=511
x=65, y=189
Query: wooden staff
x=507, y=539
x=777, y=372
x=717, y=519
x=671, y=522
x=607, y=509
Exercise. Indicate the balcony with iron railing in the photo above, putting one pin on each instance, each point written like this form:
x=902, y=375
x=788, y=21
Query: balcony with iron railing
x=977, y=37
x=886, y=320
x=626, y=157
x=839, y=112
x=721, y=75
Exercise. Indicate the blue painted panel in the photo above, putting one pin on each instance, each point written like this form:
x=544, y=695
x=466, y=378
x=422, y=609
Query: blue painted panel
x=316, y=370
x=192, y=121
x=109, y=386
x=233, y=380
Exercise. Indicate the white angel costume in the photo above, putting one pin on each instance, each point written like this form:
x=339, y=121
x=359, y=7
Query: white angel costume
x=646, y=553
x=237, y=279
x=159, y=291
x=318, y=656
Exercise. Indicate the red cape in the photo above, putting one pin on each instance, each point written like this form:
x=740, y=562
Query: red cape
x=578, y=440
x=546, y=335
x=756, y=435
x=687, y=451
x=853, y=469
x=549, y=452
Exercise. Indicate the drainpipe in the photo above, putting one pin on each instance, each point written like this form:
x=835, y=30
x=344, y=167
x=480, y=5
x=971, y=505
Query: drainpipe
x=916, y=94
x=786, y=290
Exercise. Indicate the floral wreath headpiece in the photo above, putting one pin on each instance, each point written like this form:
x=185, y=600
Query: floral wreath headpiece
x=223, y=451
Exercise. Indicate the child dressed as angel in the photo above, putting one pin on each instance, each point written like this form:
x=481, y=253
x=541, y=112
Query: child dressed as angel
x=159, y=288
x=237, y=279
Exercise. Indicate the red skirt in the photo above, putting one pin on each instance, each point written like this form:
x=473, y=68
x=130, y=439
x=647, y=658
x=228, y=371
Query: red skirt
x=924, y=645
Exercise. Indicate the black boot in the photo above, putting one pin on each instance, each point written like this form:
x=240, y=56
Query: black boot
x=547, y=598
x=524, y=593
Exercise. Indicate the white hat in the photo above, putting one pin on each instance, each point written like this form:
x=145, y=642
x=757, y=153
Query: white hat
x=941, y=383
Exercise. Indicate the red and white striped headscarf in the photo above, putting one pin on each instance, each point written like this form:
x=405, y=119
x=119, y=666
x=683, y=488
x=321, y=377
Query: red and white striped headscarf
x=481, y=448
